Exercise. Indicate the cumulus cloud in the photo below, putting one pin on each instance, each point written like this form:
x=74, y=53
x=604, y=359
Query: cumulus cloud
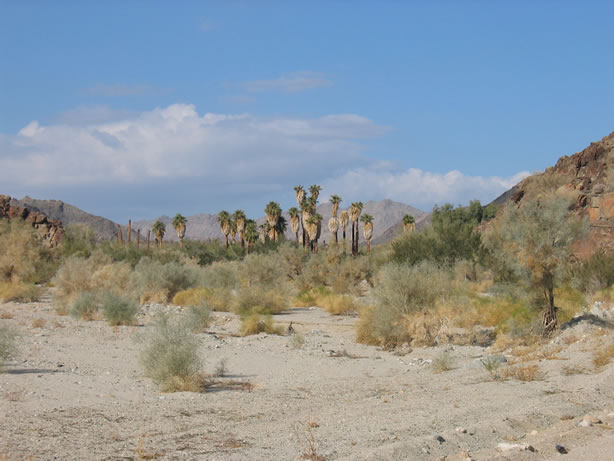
x=419, y=188
x=293, y=82
x=176, y=142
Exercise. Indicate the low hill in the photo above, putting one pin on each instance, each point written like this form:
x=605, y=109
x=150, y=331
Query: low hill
x=587, y=178
x=103, y=228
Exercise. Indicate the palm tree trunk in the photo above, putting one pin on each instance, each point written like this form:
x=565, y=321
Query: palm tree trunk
x=181, y=242
x=296, y=238
x=148, y=237
x=129, y=231
x=336, y=239
x=368, y=247
x=138, y=238
x=353, y=237
x=226, y=237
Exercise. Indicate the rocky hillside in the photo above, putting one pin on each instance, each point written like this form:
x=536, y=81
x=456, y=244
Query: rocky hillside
x=50, y=230
x=587, y=177
x=57, y=210
x=204, y=226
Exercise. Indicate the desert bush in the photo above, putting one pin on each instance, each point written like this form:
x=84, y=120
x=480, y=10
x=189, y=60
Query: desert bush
x=297, y=341
x=305, y=298
x=337, y=304
x=8, y=343
x=79, y=240
x=96, y=275
x=220, y=368
x=401, y=290
x=118, y=310
x=153, y=281
x=85, y=306
x=262, y=270
x=442, y=362
x=218, y=299
x=595, y=273
x=526, y=373
x=170, y=355
x=316, y=272
x=491, y=364
x=20, y=292
x=24, y=257
x=257, y=299
x=198, y=317
x=255, y=323
x=452, y=237
x=220, y=276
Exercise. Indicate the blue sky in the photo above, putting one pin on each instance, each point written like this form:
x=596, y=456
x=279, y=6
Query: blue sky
x=137, y=109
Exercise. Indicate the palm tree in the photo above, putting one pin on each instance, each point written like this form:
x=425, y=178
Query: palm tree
x=355, y=210
x=159, y=229
x=335, y=200
x=367, y=229
x=307, y=208
x=273, y=212
x=409, y=223
x=179, y=223
x=239, y=217
x=233, y=230
x=315, y=191
x=250, y=233
x=313, y=227
x=344, y=217
x=295, y=220
x=333, y=226
x=223, y=218
x=300, y=194
x=263, y=230
x=281, y=227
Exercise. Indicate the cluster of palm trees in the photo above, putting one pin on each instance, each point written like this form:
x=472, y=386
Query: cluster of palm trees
x=305, y=218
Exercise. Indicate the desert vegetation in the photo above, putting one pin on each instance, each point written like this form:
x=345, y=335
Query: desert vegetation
x=463, y=271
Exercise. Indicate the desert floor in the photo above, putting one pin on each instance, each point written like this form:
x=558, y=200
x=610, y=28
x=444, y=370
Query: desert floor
x=78, y=392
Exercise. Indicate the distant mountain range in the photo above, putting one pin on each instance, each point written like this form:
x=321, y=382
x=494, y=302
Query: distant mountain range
x=387, y=216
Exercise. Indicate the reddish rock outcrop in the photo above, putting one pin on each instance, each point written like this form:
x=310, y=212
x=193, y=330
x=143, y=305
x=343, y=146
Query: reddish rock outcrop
x=589, y=175
x=50, y=231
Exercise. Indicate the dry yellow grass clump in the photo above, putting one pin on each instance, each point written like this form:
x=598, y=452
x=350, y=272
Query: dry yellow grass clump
x=19, y=291
x=256, y=323
x=603, y=356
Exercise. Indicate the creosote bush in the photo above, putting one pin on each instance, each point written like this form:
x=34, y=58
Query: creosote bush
x=85, y=307
x=399, y=291
x=171, y=357
x=118, y=310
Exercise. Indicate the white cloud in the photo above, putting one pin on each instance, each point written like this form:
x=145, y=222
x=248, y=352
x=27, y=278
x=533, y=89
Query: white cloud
x=417, y=187
x=176, y=142
x=293, y=82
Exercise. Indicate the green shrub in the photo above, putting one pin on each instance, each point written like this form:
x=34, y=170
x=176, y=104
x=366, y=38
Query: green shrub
x=401, y=290
x=170, y=355
x=8, y=347
x=85, y=307
x=262, y=270
x=155, y=281
x=79, y=240
x=118, y=310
